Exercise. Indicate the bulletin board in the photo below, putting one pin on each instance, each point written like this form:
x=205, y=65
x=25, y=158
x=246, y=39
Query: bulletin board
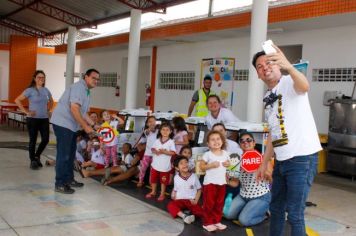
x=221, y=71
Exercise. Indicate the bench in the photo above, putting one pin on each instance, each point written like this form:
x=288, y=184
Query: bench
x=17, y=117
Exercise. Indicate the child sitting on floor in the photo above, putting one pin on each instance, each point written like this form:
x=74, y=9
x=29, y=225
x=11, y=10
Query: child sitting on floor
x=96, y=155
x=127, y=158
x=186, y=192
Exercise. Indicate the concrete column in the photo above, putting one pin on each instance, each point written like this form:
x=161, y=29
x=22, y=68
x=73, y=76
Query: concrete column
x=259, y=24
x=71, y=43
x=133, y=59
x=210, y=12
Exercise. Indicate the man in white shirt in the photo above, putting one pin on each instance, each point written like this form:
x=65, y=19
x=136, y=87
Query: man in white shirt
x=293, y=139
x=218, y=114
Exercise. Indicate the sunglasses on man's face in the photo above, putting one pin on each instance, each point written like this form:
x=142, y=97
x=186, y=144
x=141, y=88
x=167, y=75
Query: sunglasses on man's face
x=248, y=140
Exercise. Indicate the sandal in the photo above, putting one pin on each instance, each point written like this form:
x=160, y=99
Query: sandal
x=150, y=195
x=104, y=181
x=161, y=198
x=139, y=184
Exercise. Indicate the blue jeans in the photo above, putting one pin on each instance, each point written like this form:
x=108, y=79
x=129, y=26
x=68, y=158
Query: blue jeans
x=66, y=146
x=249, y=211
x=292, y=180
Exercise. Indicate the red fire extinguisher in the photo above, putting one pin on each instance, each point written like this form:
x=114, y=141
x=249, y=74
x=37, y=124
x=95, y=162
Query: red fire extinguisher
x=117, y=91
x=148, y=95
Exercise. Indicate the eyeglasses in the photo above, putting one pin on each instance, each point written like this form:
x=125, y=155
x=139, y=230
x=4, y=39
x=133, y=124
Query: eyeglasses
x=96, y=79
x=248, y=140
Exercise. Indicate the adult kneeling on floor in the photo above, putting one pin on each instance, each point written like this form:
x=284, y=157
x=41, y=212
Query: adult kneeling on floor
x=69, y=115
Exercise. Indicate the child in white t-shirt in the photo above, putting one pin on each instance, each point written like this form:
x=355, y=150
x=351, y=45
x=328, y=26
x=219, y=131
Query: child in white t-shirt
x=96, y=155
x=113, y=122
x=186, y=151
x=231, y=146
x=163, y=149
x=127, y=158
x=214, y=163
x=186, y=192
x=149, y=137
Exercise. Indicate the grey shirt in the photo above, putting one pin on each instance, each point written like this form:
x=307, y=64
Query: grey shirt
x=38, y=101
x=62, y=115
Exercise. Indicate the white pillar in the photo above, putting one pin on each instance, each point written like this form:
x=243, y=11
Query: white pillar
x=71, y=43
x=259, y=23
x=133, y=59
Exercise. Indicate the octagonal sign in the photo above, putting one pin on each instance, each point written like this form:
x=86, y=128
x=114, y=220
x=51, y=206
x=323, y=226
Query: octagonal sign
x=251, y=160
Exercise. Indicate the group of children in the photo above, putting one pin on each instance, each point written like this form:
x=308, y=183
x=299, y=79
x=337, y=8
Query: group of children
x=92, y=153
x=169, y=156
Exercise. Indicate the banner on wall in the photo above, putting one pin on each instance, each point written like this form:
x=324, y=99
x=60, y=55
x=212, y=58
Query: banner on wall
x=222, y=72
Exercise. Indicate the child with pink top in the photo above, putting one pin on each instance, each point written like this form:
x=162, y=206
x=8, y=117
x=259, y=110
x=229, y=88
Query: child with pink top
x=149, y=137
x=180, y=133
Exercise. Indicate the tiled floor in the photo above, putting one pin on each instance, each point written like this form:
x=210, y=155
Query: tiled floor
x=29, y=206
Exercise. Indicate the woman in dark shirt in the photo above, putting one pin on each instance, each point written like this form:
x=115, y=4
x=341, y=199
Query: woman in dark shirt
x=40, y=105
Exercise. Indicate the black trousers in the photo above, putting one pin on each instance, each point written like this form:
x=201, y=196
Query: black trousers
x=34, y=125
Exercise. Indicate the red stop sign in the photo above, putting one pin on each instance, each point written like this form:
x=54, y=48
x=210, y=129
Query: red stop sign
x=251, y=160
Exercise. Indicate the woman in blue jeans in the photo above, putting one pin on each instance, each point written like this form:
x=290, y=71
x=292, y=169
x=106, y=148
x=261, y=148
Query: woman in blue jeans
x=40, y=104
x=251, y=205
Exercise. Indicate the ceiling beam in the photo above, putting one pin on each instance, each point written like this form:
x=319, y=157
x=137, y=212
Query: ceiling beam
x=96, y=22
x=26, y=29
x=54, y=12
x=144, y=4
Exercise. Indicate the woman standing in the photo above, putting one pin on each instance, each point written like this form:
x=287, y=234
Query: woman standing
x=40, y=105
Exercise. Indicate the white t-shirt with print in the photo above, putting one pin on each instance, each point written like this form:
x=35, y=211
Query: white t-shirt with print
x=149, y=139
x=127, y=160
x=291, y=122
x=215, y=175
x=186, y=188
x=162, y=162
x=97, y=156
x=233, y=147
x=225, y=115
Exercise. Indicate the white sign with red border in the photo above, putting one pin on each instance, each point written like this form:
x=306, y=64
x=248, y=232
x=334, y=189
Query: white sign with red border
x=106, y=134
x=251, y=161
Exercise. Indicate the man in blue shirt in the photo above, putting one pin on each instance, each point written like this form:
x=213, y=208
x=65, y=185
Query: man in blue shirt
x=69, y=115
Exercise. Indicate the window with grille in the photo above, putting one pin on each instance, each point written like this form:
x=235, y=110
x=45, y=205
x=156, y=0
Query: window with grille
x=108, y=79
x=177, y=80
x=334, y=74
x=241, y=74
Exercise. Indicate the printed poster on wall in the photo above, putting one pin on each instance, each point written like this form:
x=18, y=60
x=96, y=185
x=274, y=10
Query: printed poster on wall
x=222, y=72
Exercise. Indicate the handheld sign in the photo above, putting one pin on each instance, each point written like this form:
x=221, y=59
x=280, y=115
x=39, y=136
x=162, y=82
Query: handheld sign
x=106, y=134
x=251, y=160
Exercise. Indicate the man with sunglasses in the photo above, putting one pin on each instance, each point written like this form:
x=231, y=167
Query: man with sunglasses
x=293, y=139
x=71, y=114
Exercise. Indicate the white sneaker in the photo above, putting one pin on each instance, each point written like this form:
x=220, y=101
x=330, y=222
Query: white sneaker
x=210, y=228
x=220, y=226
x=189, y=219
